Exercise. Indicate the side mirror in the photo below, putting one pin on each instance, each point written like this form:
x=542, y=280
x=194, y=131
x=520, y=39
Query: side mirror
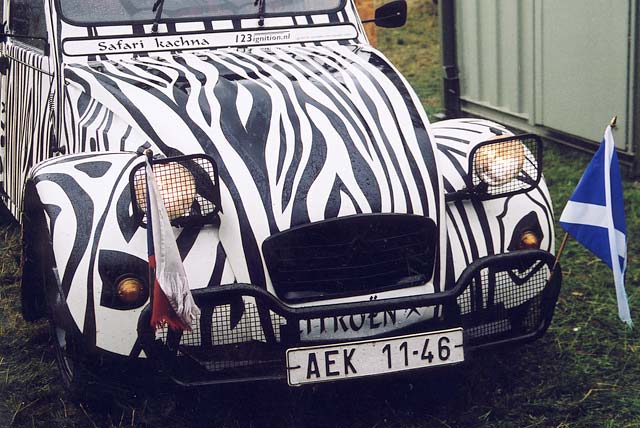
x=390, y=15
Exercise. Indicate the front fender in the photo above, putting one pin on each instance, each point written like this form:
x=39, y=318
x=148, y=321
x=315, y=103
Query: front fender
x=477, y=228
x=37, y=259
x=85, y=205
x=95, y=239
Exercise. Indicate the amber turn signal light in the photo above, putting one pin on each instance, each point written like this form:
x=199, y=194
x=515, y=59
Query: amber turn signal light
x=130, y=290
x=529, y=241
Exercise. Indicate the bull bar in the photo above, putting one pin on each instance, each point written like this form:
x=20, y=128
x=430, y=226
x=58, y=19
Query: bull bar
x=527, y=321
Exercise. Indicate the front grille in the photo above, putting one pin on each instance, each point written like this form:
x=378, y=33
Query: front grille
x=350, y=256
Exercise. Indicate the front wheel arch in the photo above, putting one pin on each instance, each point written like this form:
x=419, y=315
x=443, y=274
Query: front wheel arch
x=42, y=298
x=37, y=262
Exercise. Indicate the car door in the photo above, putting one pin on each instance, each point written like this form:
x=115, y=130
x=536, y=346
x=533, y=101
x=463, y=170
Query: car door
x=28, y=96
x=3, y=98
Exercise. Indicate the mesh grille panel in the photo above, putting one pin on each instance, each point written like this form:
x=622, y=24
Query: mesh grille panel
x=511, y=292
x=501, y=302
x=213, y=366
x=189, y=338
x=496, y=164
x=532, y=318
x=188, y=186
x=248, y=329
x=192, y=338
x=489, y=329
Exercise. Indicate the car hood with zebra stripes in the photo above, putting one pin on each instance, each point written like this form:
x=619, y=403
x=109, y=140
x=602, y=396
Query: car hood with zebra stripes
x=300, y=134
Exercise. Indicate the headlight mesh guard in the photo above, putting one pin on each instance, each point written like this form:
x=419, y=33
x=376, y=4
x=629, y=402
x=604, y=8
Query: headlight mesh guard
x=189, y=187
x=528, y=146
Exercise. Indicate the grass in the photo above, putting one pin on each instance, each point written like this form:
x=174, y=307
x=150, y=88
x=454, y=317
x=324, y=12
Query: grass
x=415, y=49
x=585, y=372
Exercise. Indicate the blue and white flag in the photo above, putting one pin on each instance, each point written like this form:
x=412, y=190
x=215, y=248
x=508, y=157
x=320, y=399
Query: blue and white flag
x=594, y=216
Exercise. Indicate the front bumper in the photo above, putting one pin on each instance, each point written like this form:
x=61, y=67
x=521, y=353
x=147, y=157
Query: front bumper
x=498, y=300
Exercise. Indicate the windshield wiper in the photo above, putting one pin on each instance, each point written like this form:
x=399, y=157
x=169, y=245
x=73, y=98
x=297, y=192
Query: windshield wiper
x=261, y=6
x=157, y=8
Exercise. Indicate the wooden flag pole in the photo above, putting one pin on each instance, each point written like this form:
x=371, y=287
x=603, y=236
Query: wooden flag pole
x=560, y=251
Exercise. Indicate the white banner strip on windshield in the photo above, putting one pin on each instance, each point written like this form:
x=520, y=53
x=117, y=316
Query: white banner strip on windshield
x=181, y=42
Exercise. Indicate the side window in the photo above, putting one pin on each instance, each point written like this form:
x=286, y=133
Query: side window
x=27, y=19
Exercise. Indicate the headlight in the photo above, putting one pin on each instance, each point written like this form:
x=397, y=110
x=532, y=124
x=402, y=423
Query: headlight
x=189, y=188
x=504, y=166
x=175, y=183
x=497, y=164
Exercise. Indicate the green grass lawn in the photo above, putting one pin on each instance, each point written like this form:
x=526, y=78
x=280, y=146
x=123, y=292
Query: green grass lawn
x=415, y=50
x=585, y=372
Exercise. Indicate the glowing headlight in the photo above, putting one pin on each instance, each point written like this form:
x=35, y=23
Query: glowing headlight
x=497, y=164
x=176, y=184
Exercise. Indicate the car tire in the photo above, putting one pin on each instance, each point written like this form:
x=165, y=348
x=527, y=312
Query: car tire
x=76, y=378
x=90, y=378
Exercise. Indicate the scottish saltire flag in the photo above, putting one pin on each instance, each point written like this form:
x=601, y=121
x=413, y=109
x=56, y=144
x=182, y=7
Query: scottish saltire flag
x=173, y=303
x=594, y=216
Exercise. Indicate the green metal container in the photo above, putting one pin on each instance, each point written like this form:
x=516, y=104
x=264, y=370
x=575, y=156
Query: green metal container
x=560, y=68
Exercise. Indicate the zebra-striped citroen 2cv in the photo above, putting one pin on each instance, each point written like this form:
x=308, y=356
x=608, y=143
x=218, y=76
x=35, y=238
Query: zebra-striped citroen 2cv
x=327, y=230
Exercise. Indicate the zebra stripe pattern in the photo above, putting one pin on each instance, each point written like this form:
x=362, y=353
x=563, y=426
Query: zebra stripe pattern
x=300, y=134
x=477, y=229
x=29, y=90
x=340, y=139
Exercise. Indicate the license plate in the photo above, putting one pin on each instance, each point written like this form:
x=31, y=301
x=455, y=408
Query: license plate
x=371, y=357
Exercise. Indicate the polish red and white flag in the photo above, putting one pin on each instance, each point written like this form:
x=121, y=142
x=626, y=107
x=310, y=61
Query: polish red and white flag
x=172, y=302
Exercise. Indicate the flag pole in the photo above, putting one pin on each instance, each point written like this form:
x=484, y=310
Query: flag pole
x=558, y=255
x=148, y=153
x=560, y=251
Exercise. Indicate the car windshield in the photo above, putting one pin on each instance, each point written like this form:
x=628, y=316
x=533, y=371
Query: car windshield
x=116, y=11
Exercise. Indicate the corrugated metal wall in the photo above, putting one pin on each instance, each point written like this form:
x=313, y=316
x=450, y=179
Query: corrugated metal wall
x=567, y=65
x=495, y=53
